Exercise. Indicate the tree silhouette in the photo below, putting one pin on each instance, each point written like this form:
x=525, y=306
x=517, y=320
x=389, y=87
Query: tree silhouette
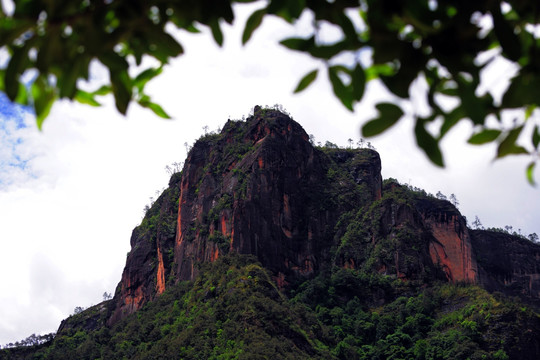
x=454, y=200
x=477, y=224
x=440, y=195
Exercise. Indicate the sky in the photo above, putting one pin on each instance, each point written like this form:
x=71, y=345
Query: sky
x=71, y=194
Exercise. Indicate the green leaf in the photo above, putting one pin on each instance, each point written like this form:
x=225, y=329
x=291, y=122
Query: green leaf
x=192, y=29
x=157, y=109
x=122, y=90
x=428, y=143
x=358, y=77
x=523, y=90
x=103, y=90
x=22, y=96
x=44, y=96
x=140, y=80
x=327, y=51
x=389, y=114
x=17, y=64
x=530, y=173
x=449, y=91
x=216, y=32
x=67, y=82
x=113, y=61
x=473, y=106
x=299, y=44
x=342, y=92
x=252, y=23
x=374, y=71
x=164, y=45
x=287, y=10
x=306, y=81
x=450, y=120
x=508, y=39
x=536, y=136
x=343, y=21
x=529, y=111
x=484, y=136
x=508, y=145
x=51, y=49
x=86, y=98
x=399, y=83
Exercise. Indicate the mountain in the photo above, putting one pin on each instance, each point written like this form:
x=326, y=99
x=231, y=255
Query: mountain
x=257, y=188
x=266, y=246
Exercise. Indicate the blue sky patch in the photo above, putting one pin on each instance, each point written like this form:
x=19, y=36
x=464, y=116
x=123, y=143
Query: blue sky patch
x=13, y=111
x=14, y=158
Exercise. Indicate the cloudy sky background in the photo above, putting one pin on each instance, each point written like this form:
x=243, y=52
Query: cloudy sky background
x=71, y=194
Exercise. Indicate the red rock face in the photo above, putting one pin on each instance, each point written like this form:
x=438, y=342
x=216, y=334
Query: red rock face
x=450, y=246
x=410, y=238
x=257, y=188
x=452, y=249
x=268, y=211
x=149, y=263
x=160, y=278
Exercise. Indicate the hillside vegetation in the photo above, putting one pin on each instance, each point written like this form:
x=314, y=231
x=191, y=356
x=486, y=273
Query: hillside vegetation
x=234, y=311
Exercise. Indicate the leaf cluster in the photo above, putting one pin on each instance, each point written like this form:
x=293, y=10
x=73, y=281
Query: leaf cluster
x=55, y=42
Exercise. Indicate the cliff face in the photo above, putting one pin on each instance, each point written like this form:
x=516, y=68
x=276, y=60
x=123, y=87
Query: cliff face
x=149, y=263
x=508, y=264
x=450, y=246
x=254, y=190
x=411, y=237
x=261, y=188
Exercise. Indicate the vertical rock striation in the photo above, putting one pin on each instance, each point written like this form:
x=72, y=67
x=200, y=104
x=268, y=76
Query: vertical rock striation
x=254, y=190
x=451, y=246
x=259, y=187
x=150, y=260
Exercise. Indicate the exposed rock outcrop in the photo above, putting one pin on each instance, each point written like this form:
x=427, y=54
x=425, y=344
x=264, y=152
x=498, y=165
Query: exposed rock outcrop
x=508, y=263
x=259, y=187
x=253, y=190
x=149, y=263
x=451, y=246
